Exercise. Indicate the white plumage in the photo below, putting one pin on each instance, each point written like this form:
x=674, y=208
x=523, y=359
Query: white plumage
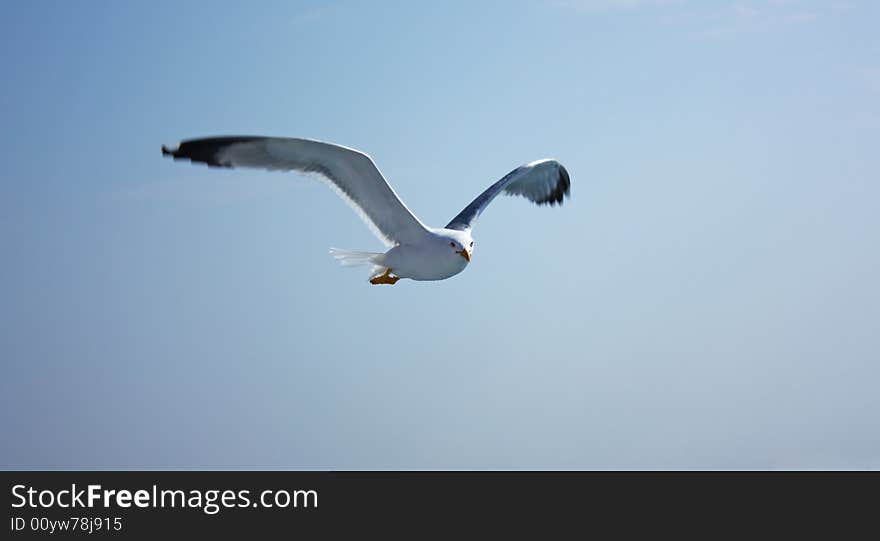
x=415, y=251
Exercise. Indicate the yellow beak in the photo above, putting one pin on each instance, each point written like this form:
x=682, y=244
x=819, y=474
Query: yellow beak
x=464, y=253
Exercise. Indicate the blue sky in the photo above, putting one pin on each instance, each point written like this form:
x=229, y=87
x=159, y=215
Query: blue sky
x=707, y=298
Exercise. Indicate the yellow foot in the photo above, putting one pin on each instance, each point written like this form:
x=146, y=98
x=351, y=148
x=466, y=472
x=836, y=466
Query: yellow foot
x=385, y=279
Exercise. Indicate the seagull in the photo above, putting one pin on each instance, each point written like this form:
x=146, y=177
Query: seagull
x=414, y=250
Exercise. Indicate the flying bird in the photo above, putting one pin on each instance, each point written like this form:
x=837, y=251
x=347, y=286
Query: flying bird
x=415, y=250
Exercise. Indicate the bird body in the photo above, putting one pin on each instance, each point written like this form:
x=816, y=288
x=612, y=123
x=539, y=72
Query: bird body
x=415, y=251
x=433, y=259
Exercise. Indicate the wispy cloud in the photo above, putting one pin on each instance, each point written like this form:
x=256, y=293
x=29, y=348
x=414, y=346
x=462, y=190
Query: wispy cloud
x=871, y=76
x=718, y=19
x=751, y=17
x=314, y=14
x=597, y=6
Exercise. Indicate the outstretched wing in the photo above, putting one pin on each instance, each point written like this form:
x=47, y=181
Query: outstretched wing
x=542, y=181
x=352, y=174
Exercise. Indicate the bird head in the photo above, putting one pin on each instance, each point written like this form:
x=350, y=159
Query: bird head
x=461, y=244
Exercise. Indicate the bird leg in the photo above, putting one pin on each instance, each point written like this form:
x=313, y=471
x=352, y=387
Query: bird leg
x=385, y=278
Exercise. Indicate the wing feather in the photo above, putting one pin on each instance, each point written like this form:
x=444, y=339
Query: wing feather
x=542, y=182
x=350, y=173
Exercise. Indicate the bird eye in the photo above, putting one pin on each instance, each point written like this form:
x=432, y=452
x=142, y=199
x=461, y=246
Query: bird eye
x=452, y=244
x=472, y=244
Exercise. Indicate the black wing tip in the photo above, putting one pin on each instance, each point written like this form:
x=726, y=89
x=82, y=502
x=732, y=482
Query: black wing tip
x=560, y=191
x=205, y=150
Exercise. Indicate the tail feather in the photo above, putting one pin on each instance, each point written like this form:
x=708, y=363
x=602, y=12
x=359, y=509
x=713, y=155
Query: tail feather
x=350, y=258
